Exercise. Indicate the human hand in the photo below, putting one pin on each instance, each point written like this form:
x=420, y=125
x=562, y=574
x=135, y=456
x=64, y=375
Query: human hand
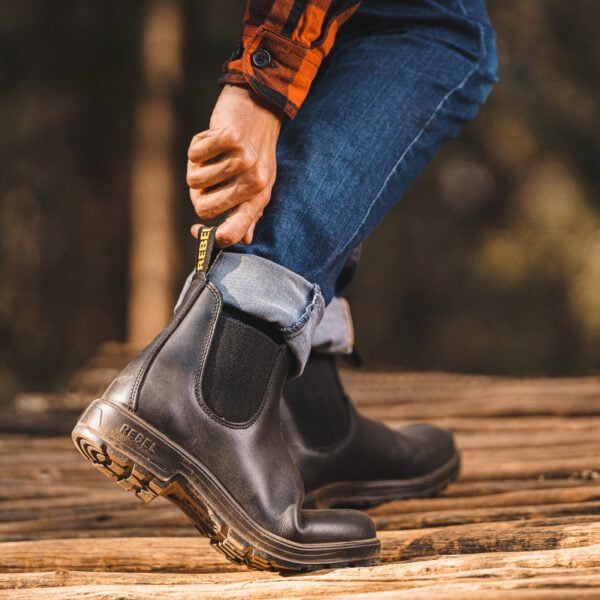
x=232, y=165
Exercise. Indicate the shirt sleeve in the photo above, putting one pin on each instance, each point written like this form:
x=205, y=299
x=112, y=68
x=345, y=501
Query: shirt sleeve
x=282, y=45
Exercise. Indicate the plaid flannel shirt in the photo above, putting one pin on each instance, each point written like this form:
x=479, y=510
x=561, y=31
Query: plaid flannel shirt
x=282, y=45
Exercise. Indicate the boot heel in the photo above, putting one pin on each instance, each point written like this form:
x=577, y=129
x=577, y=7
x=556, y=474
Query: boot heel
x=135, y=472
x=126, y=473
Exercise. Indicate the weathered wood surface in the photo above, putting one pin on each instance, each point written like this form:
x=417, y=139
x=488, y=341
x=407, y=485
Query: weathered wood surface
x=522, y=522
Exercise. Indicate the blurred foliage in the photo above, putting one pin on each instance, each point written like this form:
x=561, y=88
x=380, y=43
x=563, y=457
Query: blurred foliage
x=491, y=263
x=495, y=251
x=67, y=76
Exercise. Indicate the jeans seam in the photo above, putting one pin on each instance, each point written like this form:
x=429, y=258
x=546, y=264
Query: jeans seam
x=463, y=10
x=291, y=331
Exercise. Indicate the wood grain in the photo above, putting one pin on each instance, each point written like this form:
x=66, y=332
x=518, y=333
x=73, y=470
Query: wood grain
x=523, y=521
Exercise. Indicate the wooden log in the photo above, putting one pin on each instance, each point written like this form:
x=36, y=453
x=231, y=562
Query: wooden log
x=140, y=554
x=526, y=497
x=505, y=406
x=23, y=490
x=508, y=536
x=56, y=422
x=504, y=572
x=106, y=498
x=369, y=387
x=540, y=440
x=93, y=380
x=578, y=467
x=483, y=487
x=442, y=518
x=531, y=452
x=488, y=586
x=84, y=520
x=95, y=515
x=101, y=500
x=194, y=554
x=59, y=451
x=502, y=424
x=13, y=443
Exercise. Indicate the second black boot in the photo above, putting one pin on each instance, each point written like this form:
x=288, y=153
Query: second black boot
x=195, y=418
x=348, y=460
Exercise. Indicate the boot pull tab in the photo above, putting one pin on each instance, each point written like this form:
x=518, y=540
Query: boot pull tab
x=206, y=253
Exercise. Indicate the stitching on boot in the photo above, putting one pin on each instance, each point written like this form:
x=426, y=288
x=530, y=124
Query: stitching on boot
x=160, y=341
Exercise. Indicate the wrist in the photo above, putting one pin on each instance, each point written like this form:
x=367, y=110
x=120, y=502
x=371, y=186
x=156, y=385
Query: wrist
x=249, y=101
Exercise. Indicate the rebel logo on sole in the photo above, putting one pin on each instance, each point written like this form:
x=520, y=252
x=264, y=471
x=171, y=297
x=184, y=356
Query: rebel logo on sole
x=143, y=441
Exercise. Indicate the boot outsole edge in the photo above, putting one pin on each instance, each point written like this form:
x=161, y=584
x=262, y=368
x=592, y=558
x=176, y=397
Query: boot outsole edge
x=150, y=465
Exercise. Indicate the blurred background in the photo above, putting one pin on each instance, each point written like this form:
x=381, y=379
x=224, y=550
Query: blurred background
x=491, y=263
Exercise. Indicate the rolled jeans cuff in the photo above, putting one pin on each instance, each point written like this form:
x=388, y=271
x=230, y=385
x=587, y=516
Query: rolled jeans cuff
x=268, y=291
x=335, y=333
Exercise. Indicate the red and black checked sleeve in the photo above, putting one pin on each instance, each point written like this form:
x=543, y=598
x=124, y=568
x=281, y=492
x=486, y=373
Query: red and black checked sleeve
x=282, y=45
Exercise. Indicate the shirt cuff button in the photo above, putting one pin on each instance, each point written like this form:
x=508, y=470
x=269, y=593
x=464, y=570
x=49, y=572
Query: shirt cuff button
x=261, y=58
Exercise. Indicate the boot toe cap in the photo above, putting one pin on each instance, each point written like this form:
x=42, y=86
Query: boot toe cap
x=436, y=445
x=340, y=525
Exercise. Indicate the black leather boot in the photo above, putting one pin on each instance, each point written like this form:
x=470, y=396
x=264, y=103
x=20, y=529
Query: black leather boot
x=348, y=460
x=195, y=418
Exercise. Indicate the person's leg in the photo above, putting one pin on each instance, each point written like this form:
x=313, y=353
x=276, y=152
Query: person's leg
x=402, y=77
x=195, y=416
x=344, y=458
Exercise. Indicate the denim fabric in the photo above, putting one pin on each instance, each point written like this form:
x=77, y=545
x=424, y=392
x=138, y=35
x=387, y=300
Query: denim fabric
x=272, y=293
x=335, y=332
x=402, y=77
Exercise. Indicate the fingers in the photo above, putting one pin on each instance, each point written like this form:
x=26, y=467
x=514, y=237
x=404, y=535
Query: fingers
x=249, y=235
x=201, y=176
x=212, y=143
x=252, y=184
x=239, y=225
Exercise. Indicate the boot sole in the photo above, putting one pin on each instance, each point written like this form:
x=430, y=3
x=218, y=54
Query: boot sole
x=367, y=494
x=143, y=460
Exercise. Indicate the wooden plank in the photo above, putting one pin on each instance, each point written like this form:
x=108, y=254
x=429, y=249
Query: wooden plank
x=488, y=586
x=486, y=407
x=512, y=498
x=483, y=487
x=117, y=511
x=509, y=536
x=525, y=439
x=578, y=467
x=522, y=520
x=69, y=459
x=141, y=554
x=442, y=518
x=575, y=567
x=13, y=490
x=470, y=433
x=107, y=498
x=194, y=554
x=16, y=442
x=501, y=424
x=377, y=387
x=85, y=520
x=171, y=523
x=527, y=453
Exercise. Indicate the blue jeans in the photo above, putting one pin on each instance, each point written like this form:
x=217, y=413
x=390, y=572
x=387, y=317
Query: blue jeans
x=402, y=77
